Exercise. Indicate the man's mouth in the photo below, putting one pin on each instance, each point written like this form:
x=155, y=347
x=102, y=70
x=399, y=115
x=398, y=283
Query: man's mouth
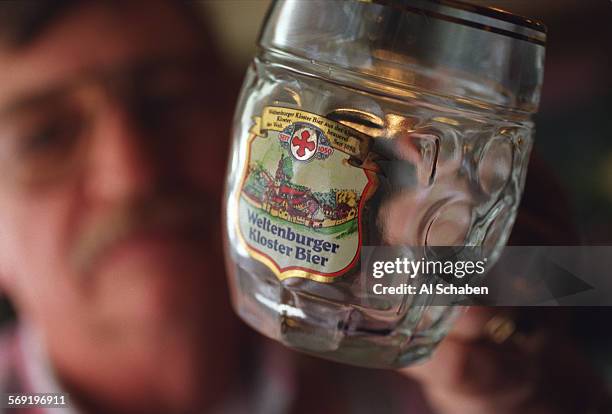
x=153, y=246
x=152, y=233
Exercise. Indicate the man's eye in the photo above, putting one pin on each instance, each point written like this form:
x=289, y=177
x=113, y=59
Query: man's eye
x=42, y=140
x=51, y=138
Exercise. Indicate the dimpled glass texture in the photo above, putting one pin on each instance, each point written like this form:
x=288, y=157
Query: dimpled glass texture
x=446, y=94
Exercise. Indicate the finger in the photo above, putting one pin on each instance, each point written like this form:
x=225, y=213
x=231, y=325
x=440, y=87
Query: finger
x=476, y=323
x=478, y=368
x=469, y=326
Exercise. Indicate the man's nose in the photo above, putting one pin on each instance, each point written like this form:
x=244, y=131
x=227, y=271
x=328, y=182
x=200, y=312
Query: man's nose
x=121, y=164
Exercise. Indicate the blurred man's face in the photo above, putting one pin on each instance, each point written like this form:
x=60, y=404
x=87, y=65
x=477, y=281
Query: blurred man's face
x=111, y=148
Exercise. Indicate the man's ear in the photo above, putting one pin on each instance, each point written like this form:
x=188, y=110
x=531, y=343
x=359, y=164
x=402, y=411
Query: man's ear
x=7, y=311
x=6, y=282
x=3, y=284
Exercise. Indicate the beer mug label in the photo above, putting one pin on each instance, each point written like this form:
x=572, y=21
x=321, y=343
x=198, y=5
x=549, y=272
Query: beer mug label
x=301, y=194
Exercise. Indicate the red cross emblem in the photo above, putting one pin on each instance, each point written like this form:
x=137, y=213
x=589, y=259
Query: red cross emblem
x=304, y=143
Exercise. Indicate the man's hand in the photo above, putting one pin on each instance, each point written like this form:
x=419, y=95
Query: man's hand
x=486, y=365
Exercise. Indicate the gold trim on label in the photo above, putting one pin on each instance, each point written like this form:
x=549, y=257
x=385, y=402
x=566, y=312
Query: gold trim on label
x=340, y=137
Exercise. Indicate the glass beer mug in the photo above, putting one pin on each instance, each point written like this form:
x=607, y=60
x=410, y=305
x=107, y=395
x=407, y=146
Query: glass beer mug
x=372, y=123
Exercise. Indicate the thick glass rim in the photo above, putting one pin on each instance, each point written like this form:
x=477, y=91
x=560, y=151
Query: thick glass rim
x=489, y=19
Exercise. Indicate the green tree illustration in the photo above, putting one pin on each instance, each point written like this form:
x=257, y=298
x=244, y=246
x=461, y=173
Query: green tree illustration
x=288, y=168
